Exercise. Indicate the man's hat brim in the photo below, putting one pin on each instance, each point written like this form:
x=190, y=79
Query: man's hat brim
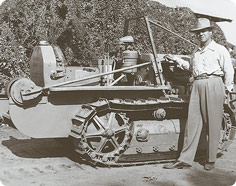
x=198, y=29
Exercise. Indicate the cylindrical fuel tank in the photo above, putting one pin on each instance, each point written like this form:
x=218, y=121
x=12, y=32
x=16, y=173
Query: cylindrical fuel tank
x=130, y=59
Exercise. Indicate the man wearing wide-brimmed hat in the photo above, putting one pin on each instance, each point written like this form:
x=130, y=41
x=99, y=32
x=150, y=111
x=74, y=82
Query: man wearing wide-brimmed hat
x=212, y=71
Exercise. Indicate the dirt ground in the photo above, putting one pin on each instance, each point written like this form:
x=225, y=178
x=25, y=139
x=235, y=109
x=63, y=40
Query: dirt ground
x=45, y=162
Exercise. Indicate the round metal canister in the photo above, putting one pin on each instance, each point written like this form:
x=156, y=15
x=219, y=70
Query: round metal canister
x=130, y=59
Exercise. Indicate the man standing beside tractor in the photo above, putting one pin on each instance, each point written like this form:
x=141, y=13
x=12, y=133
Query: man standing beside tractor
x=213, y=73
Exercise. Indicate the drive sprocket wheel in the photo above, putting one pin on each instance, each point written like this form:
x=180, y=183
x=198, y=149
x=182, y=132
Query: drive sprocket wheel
x=105, y=136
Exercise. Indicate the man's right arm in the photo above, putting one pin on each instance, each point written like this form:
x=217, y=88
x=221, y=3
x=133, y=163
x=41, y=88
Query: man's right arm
x=181, y=63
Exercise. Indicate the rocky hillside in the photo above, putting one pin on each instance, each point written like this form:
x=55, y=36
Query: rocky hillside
x=82, y=28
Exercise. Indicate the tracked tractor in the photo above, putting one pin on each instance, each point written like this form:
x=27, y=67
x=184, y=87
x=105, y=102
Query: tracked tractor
x=126, y=110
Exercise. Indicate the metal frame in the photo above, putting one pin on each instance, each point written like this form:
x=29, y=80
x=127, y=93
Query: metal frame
x=156, y=64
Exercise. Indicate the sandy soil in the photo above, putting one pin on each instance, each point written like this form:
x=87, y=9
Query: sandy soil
x=45, y=162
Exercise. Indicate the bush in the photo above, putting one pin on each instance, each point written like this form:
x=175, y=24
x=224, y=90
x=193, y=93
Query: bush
x=82, y=29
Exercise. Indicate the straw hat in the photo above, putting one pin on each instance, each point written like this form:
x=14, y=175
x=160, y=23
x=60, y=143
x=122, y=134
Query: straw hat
x=202, y=23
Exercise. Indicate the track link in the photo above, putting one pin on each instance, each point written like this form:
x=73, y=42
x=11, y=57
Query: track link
x=102, y=130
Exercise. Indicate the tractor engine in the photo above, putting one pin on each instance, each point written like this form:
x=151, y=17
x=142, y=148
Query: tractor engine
x=48, y=67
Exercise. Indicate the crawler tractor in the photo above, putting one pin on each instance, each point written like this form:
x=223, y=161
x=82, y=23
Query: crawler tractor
x=127, y=111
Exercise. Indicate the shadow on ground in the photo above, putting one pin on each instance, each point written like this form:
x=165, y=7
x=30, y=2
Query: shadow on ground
x=42, y=148
x=193, y=177
x=217, y=177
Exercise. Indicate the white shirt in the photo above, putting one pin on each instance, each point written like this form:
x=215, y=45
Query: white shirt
x=214, y=59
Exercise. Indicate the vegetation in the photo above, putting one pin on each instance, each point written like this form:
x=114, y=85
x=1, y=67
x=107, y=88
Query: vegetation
x=83, y=29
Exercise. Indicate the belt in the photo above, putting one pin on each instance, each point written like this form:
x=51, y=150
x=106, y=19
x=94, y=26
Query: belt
x=206, y=76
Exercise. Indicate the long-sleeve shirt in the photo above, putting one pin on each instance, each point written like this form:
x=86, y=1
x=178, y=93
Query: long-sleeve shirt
x=214, y=59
